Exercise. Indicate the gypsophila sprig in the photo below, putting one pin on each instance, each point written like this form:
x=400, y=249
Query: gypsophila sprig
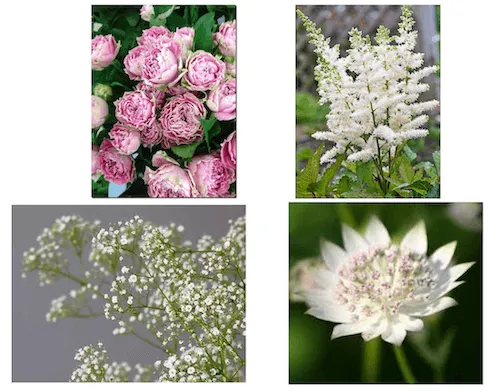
x=373, y=94
x=187, y=301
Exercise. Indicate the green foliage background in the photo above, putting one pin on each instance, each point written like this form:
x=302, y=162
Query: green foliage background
x=314, y=358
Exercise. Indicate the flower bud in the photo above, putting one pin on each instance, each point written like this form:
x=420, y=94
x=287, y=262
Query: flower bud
x=103, y=91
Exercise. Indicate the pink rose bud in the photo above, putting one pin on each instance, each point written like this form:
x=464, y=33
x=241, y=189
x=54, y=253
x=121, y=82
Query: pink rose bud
x=211, y=177
x=135, y=109
x=228, y=151
x=154, y=35
x=230, y=68
x=99, y=111
x=162, y=64
x=222, y=100
x=169, y=180
x=226, y=38
x=133, y=62
x=104, y=51
x=146, y=12
x=152, y=135
x=204, y=71
x=184, y=36
x=180, y=119
x=115, y=167
x=125, y=140
x=158, y=96
x=96, y=173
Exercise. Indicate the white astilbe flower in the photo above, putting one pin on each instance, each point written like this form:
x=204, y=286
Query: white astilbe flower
x=378, y=288
x=373, y=91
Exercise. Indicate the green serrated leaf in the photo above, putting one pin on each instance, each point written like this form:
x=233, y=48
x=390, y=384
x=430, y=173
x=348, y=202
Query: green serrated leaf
x=421, y=187
x=328, y=175
x=409, y=153
x=308, y=175
x=344, y=185
x=186, y=151
x=406, y=171
x=203, y=32
x=364, y=171
x=434, y=192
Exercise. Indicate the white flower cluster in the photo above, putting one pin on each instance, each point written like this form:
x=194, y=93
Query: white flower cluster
x=373, y=91
x=190, y=300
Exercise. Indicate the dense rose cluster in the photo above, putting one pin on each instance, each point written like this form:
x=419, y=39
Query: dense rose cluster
x=177, y=88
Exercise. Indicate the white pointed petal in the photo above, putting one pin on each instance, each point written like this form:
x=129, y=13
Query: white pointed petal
x=394, y=334
x=416, y=239
x=353, y=241
x=333, y=255
x=442, y=256
x=375, y=330
x=433, y=307
x=349, y=329
x=376, y=233
x=410, y=323
x=445, y=289
x=457, y=271
x=333, y=314
x=324, y=278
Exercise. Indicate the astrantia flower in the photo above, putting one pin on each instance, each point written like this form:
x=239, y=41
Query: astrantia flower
x=378, y=288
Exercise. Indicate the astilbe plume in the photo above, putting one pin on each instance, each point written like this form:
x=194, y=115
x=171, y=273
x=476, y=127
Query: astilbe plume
x=372, y=92
x=187, y=301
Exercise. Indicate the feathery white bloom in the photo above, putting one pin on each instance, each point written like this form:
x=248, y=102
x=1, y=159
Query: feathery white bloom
x=378, y=288
x=372, y=91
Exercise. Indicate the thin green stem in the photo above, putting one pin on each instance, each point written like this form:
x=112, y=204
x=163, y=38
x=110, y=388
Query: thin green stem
x=371, y=361
x=404, y=366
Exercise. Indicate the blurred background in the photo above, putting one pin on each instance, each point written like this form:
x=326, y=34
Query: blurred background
x=43, y=351
x=336, y=21
x=450, y=347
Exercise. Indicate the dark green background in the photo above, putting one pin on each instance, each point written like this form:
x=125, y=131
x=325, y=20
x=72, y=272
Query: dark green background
x=314, y=358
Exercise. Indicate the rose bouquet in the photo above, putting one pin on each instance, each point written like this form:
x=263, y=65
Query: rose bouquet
x=164, y=101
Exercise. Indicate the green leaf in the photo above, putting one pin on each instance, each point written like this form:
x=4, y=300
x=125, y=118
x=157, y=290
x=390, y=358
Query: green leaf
x=160, y=9
x=360, y=194
x=406, y=171
x=343, y=186
x=409, y=153
x=436, y=157
x=308, y=175
x=328, y=175
x=208, y=125
x=364, y=172
x=203, y=32
x=304, y=154
x=421, y=187
x=132, y=18
x=174, y=21
x=186, y=151
x=434, y=192
x=429, y=168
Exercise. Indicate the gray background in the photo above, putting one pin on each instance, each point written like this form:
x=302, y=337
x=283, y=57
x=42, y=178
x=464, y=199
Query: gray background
x=43, y=351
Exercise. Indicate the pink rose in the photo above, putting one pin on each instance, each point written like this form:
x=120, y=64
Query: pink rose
x=146, y=12
x=125, y=140
x=180, y=117
x=158, y=96
x=96, y=173
x=133, y=62
x=230, y=68
x=135, y=109
x=228, y=151
x=152, y=135
x=162, y=64
x=211, y=177
x=104, y=51
x=226, y=38
x=204, y=71
x=99, y=111
x=222, y=100
x=153, y=35
x=169, y=180
x=184, y=36
x=115, y=167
